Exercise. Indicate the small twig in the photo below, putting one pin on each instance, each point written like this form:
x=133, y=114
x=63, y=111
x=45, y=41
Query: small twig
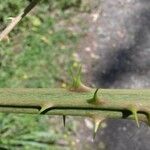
x=18, y=18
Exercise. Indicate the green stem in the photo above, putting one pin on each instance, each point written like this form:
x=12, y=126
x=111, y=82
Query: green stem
x=63, y=102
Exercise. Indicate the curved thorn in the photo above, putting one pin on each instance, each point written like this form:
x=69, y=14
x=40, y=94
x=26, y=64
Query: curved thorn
x=97, y=123
x=95, y=97
x=42, y=109
x=45, y=107
x=64, y=120
x=134, y=112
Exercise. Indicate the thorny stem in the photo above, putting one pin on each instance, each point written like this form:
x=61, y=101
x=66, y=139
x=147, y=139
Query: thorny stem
x=65, y=102
x=79, y=100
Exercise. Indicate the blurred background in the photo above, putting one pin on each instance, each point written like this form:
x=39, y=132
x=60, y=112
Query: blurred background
x=111, y=39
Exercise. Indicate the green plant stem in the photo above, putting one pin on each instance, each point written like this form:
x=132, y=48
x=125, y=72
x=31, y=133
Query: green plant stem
x=65, y=102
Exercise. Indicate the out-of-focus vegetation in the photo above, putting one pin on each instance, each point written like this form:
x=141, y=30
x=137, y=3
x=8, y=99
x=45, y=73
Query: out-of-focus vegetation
x=39, y=49
x=36, y=55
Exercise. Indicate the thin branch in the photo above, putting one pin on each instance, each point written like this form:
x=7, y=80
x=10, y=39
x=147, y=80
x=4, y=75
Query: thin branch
x=115, y=103
x=18, y=18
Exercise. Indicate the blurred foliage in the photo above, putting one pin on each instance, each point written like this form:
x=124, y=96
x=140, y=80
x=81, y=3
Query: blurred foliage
x=38, y=50
x=36, y=55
